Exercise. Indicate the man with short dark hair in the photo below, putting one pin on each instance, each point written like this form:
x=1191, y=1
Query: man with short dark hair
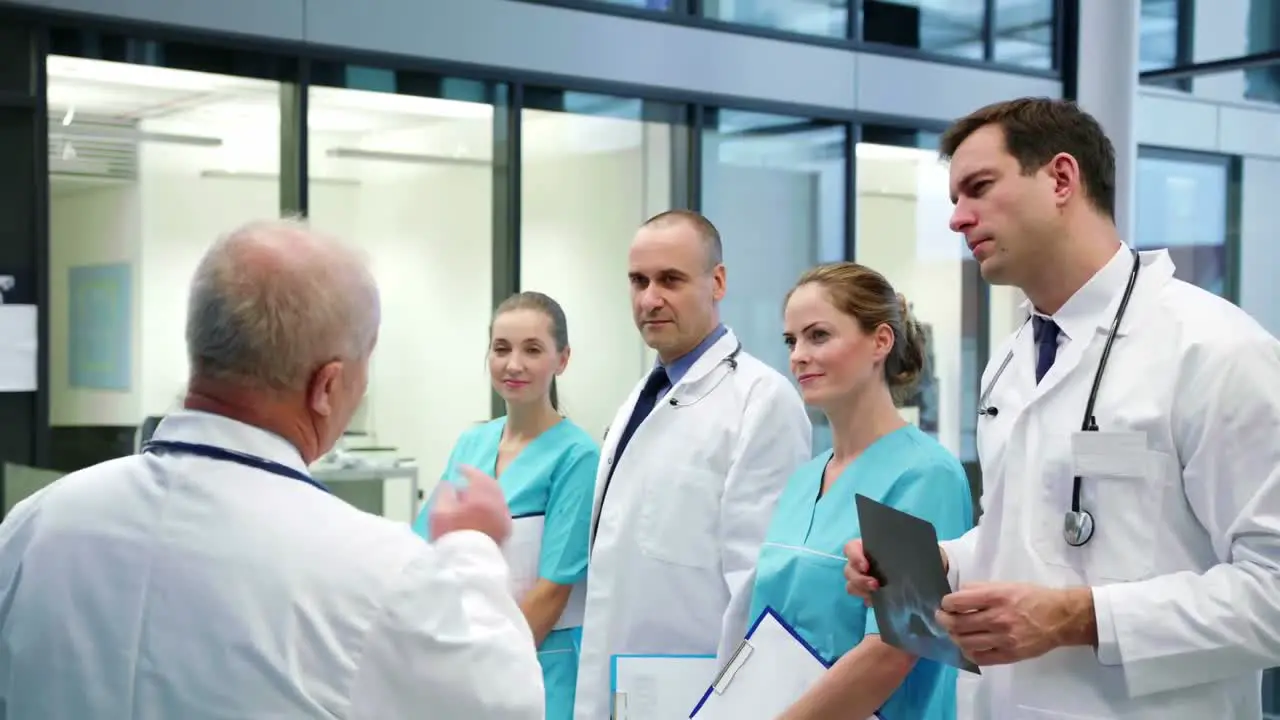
x=212, y=577
x=1127, y=564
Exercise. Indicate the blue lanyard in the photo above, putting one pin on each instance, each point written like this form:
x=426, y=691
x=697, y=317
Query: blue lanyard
x=216, y=453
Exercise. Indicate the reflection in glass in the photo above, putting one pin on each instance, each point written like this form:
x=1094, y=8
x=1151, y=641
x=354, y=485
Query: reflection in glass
x=827, y=19
x=147, y=166
x=1158, y=41
x=947, y=27
x=1263, y=83
x=903, y=211
x=409, y=180
x=775, y=187
x=659, y=5
x=1024, y=31
x=593, y=169
x=1183, y=204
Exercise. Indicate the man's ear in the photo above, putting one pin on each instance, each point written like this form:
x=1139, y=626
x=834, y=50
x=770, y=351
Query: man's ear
x=323, y=386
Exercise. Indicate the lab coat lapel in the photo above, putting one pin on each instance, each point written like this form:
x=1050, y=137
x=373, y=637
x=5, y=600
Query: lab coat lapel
x=610, y=446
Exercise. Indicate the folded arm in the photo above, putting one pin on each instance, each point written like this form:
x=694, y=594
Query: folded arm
x=447, y=632
x=776, y=439
x=1185, y=629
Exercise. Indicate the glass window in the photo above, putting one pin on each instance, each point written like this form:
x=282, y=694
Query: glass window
x=593, y=169
x=1158, y=46
x=827, y=19
x=1163, y=41
x=1024, y=33
x=947, y=27
x=400, y=164
x=775, y=186
x=147, y=166
x=1184, y=203
x=903, y=211
x=659, y=5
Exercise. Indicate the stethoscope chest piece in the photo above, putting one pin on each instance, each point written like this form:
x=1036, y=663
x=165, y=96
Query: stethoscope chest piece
x=1077, y=527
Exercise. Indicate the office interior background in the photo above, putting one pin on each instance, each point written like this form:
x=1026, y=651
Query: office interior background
x=478, y=148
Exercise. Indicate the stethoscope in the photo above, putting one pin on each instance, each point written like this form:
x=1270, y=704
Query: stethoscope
x=1077, y=524
x=730, y=360
x=224, y=455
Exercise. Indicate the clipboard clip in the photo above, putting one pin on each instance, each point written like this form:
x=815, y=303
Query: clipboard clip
x=619, y=711
x=739, y=658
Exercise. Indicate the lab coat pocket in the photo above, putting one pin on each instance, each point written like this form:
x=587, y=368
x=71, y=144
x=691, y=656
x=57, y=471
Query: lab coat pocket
x=679, y=518
x=1122, y=487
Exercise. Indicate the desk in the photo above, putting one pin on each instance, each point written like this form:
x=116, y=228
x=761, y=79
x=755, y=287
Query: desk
x=371, y=473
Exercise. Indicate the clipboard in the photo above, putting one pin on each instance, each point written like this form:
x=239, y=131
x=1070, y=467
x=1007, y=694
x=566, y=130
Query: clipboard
x=657, y=687
x=523, y=552
x=770, y=670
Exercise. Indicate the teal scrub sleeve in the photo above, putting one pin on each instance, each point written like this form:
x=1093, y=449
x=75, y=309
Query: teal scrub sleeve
x=419, y=525
x=566, y=531
x=937, y=492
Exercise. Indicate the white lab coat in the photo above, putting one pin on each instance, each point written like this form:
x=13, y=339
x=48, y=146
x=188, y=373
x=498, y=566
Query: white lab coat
x=687, y=511
x=1185, y=559
x=156, y=587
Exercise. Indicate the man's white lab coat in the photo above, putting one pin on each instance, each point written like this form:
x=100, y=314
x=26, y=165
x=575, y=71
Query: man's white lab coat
x=1185, y=560
x=687, y=510
x=177, y=587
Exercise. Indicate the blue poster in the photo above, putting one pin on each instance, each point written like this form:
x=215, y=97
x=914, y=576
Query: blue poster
x=100, y=342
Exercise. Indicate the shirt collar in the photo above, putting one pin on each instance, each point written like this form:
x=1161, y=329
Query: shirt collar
x=1084, y=311
x=191, y=426
x=678, y=368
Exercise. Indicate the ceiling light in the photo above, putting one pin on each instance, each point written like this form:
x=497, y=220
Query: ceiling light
x=312, y=179
x=358, y=154
x=102, y=134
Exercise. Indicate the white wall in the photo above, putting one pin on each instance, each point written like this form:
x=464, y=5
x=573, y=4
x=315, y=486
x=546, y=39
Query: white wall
x=903, y=212
x=90, y=224
x=580, y=214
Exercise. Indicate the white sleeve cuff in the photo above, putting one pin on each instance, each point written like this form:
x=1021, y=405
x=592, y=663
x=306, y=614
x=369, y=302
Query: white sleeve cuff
x=1108, y=641
x=954, y=553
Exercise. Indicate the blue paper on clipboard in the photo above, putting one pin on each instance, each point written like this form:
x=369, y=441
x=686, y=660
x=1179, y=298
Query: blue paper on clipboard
x=768, y=673
x=657, y=687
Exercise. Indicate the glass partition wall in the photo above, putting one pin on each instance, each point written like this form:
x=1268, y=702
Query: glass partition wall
x=461, y=191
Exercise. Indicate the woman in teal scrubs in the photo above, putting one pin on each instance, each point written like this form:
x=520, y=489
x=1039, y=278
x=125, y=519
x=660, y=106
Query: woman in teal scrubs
x=854, y=348
x=546, y=466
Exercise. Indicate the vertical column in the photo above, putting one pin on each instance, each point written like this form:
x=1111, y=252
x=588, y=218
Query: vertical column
x=293, y=147
x=1107, y=87
x=508, y=101
x=24, y=239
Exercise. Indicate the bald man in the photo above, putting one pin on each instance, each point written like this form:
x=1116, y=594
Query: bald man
x=212, y=577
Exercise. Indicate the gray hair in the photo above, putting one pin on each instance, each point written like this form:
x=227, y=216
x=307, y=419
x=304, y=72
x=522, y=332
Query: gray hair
x=273, y=301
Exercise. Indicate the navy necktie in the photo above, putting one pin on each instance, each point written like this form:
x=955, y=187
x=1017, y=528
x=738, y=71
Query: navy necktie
x=1046, y=332
x=653, y=388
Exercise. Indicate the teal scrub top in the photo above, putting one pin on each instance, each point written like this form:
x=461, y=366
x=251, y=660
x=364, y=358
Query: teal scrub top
x=554, y=475
x=800, y=573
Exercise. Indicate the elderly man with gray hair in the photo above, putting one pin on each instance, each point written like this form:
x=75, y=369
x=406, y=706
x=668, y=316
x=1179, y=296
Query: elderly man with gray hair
x=211, y=577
